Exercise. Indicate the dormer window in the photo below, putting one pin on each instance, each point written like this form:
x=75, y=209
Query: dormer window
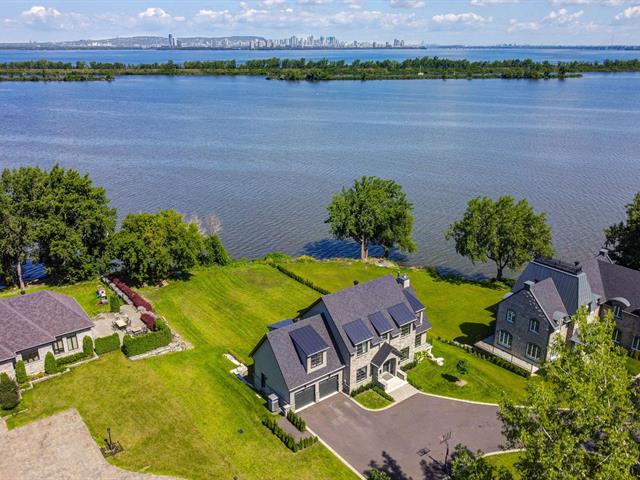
x=406, y=330
x=316, y=360
x=362, y=348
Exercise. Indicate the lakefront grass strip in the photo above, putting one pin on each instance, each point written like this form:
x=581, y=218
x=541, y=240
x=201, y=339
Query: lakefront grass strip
x=187, y=405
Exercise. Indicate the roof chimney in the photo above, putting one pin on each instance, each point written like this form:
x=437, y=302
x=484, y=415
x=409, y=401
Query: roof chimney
x=404, y=281
x=603, y=252
x=528, y=284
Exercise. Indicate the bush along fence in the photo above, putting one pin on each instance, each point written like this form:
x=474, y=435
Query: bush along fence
x=132, y=346
x=487, y=356
x=296, y=421
x=302, y=280
x=107, y=344
x=272, y=424
x=375, y=388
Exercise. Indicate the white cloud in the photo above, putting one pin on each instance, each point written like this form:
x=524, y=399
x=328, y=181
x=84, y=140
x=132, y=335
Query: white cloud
x=468, y=18
x=156, y=16
x=407, y=3
x=516, y=26
x=314, y=2
x=39, y=16
x=270, y=3
x=555, y=18
x=562, y=17
x=608, y=3
x=484, y=3
x=354, y=4
x=628, y=15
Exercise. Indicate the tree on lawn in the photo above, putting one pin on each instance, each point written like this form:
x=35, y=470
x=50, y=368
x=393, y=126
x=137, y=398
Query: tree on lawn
x=373, y=211
x=508, y=233
x=152, y=246
x=581, y=420
x=624, y=238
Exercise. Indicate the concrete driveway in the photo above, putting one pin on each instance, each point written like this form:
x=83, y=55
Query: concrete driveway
x=390, y=439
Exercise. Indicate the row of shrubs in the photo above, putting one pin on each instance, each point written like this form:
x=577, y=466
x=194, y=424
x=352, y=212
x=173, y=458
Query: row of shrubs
x=272, y=424
x=375, y=388
x=487, y=356
x=302, y=280
x=149, y=320
x=136, y=299
x=296, y=420
x=107, y=344
x=139, y=344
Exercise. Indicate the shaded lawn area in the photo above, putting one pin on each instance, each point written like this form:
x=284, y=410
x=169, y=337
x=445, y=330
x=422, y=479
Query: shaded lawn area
x=506, y=460
x=486, y=382
x=633, y=366
x=85, y=294
x=184, y=414
x=372, y=399
x=457, y=310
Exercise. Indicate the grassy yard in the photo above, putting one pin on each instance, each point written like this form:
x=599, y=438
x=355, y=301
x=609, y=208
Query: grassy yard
x=83, y=292
x=372, y=399
x=184, y=414
x=458, y=310
x=506, y=460
x=486, y=382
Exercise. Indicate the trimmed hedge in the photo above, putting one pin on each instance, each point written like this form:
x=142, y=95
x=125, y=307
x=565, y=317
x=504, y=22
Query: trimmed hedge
x=137, y=345
x=149, y=320
x=136, y=299
x=21, y=372
x=76, y=357
x=302, y=280
x=296, y=421
x=87, y=345
x=487, y=356
x=107, y=344
x=272, y=424
x=375, y=388
x=50, y=363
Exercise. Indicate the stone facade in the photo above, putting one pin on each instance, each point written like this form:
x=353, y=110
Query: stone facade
x=526, y=308
x=627, y=323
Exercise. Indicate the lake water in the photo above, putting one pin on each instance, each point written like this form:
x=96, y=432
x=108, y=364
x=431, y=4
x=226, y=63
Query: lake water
x=266, y=156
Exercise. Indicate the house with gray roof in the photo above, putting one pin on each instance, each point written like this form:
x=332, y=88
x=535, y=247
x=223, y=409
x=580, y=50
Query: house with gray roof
x=342, y=341
x=37, y=323
x=547, y=294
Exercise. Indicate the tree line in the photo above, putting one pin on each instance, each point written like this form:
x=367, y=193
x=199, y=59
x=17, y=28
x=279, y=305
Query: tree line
x=314, y=70
x=59, y=218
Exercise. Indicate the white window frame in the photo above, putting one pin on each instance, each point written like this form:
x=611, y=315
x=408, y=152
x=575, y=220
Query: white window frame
x=635, y=343
x=617, y=334
x=511, y=316
x=530, y=349
x=366, y=373
x=536, y=322
x=362, y=348
x=404, y=333
x=315, y=356
x=500, y=338
x=617, y=311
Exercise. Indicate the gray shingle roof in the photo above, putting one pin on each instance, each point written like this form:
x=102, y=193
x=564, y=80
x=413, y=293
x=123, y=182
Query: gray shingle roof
x=362, y=300
x=615, y=281
x=38, y=318
x=549, y=300
x=291, y=365
x=574, y=288
x=383, y=353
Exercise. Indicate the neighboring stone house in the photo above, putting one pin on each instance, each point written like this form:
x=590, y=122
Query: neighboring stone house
x=33, y=325
x=549, y=292
x=344, y=340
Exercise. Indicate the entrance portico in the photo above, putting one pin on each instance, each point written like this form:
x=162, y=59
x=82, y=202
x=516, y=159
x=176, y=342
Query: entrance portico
x=384, y=368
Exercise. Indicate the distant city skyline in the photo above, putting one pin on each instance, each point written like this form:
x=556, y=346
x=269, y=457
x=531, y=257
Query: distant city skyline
x=468, y=22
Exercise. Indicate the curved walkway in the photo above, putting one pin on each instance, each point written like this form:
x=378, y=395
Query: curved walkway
x=390, y=439
x=58, y=447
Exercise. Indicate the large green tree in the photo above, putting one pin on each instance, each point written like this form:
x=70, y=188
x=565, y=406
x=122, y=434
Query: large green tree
x=152, y=246
x=373, y=211
x=580, y=422
x=508, y=233
x=466, y=465
x=624, y=238
x=56, y=217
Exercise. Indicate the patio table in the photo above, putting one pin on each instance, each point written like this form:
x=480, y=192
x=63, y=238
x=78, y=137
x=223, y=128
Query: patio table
x=121, y=323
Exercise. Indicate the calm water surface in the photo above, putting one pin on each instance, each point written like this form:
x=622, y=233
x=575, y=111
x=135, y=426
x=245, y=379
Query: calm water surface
x=266, y=156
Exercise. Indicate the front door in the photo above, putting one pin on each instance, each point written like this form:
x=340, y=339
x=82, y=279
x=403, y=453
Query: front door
x=390, y=366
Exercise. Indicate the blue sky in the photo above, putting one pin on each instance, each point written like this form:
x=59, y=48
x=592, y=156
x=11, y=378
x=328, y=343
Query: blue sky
x=478, y=22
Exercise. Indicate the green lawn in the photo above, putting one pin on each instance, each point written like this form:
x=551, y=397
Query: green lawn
x=633, y=365
x=486, y=382
x=457, y=310
x=506, y=460
x=372, y=399
x=184, y=414
x=84, y=292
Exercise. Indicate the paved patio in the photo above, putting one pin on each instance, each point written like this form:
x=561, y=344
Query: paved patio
x=103, y=323
x=390, y=439
x=58, y=447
